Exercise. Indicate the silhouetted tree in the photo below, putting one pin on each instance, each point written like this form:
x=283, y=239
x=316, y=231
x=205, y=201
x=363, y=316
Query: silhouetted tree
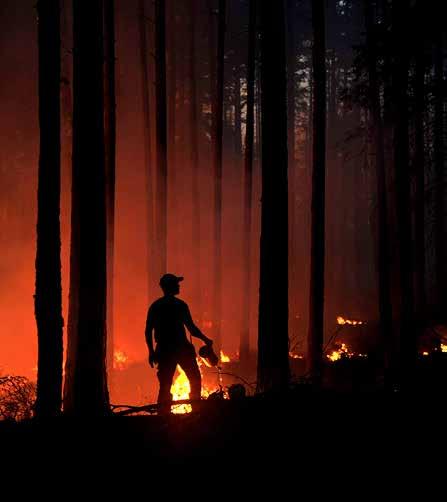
x=244, y=348
x=383, y=255
x=273, y=341
x=148, y=159
x=48, y=297
x=86, y=378
x=317, y=266
x=161, y=136
x=217, y=110
x=110, y=160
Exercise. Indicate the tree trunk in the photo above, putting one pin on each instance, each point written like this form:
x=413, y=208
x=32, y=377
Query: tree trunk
x=273, y=341
x=152, y=271
x=441, y=267
x=383, y=257
x=194, y=160
x=317, y=266
x=48, y=297
x=161, y=135
x=244, y=347
x=110, y=160
x=407, y=340
x=86, y=378
x=217, y=163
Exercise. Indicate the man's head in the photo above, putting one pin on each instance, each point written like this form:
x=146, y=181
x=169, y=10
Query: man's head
x=169, y=283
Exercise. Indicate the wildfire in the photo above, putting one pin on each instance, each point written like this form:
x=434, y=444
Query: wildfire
x=224, y=358
x=343, y=351
x=120, y=360
x=292, y=355
x=342, y=321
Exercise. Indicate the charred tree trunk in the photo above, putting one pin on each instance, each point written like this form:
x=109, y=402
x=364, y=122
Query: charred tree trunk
x=244, y=347
x=317, y=266
x=383, y=257
x=161, y=135
x=440, y=224
x=194, y=160
x=48, y=297
x=419, y=161
x=149, y=171
x=86, y=378
x=407, y=339
x=171, y=104
x=110, y=162
x=217, y=163
x=273, y=341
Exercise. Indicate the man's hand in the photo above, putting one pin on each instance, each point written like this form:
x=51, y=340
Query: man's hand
x=152, y=359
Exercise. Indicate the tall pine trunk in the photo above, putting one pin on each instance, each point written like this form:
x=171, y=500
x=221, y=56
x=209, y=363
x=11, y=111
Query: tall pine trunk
x=110, y=160
x=217, y=164
x=86, y=377
x=194, y=159
x=273, y=341
x=244, y=347
x=317, y=266
x=48, y=297
x=161, y=137
x=149, y=171
x=407, y=339
x=383, y=255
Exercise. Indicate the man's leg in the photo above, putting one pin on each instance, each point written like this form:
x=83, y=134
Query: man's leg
x=188, y=363
x=165, y=373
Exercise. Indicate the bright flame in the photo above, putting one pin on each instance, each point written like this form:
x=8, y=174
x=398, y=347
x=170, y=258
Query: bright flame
x=342, y=321
x=223, y=357
x=425, y=354
x=443, y=347
x=120, y=360
x=295, y=356
x=180, y=390
x=343, y=351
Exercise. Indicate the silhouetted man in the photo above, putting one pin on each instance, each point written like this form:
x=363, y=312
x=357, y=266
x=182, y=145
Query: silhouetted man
x=167, y=317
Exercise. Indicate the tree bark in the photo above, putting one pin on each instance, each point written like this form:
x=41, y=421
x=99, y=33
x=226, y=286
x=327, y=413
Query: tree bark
x=48, y=296
x=317, y=267
x=244, y=347
x=273, y=341
x=161, y=137
x=383, y=255
x=110, y=160
x=86, y=378
x=217, y=164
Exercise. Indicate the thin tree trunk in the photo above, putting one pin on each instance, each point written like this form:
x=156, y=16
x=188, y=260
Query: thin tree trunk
x=172, y=117
x=407, y=339
x=86, y=378
x=161, y=135
x=152, y=271
x=217, y=161
x=273, y=341
x=383, y=257
x=244, y=347
x=110, y=160
x=317, y=266
x=194, y=160
x=419, y=160
x=48, y=297
x=440, y=225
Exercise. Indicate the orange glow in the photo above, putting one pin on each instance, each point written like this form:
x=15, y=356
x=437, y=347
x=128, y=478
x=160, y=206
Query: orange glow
x=343, y=351
x=342, y=321
x=295, y=356
x=443, y=347
x=224, y=358
x=120, y=360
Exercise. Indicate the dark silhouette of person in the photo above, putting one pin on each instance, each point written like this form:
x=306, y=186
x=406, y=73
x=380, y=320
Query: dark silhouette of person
x=167, y=318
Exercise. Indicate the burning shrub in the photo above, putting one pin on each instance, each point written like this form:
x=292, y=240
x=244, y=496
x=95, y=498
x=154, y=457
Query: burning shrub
x=17, y=397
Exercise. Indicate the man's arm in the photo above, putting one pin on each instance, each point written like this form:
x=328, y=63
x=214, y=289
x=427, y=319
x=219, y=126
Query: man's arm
x=193, y=329
x=148, y=335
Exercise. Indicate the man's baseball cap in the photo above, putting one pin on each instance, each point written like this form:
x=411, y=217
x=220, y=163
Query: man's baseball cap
x=169, y=279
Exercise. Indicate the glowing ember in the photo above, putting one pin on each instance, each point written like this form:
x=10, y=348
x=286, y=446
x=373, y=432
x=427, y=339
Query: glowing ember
x=443, y=347
x=342, y=321
x=223, y=357
x=425, y=354
x=295, y=356
x=120, y=360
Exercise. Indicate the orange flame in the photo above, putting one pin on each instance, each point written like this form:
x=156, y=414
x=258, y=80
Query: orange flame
x=224, y=358
x=120, y=360
x=342, y=321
